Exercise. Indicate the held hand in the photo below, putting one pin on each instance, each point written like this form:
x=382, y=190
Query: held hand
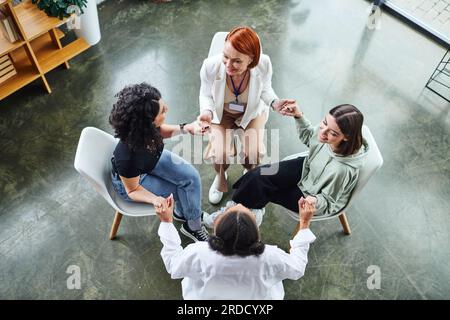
x=291, y=110
x=160, y=204
x=306, y=212
x=165, y=211
x=193, y=128
x=280, y=103
x=205, y=121
x=312, y=200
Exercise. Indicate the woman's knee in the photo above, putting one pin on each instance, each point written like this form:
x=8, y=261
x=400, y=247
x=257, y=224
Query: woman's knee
x=253, y=175
x=191, y=175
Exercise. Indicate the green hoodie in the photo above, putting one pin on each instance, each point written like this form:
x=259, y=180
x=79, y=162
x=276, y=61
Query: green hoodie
x=326, y=175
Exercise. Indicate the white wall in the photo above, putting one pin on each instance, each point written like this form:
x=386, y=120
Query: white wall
x=100, y=1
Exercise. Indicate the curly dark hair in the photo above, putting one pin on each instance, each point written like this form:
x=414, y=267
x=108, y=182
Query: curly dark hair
x=236, y=234
x=133, y=114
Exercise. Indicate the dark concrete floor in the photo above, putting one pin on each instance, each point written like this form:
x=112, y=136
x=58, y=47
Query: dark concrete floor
x=322, y=55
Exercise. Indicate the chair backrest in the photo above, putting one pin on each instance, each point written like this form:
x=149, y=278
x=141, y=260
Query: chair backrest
x=373, y=162
x=93, y=162
x=92, y=159
x=217, y=43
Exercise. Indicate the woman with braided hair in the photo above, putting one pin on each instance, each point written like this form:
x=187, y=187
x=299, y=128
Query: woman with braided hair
x=234, y=263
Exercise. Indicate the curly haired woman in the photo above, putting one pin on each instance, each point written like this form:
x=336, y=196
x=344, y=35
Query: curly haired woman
x=142, y=170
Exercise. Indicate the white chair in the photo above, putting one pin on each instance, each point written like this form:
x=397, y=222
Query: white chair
x=93, y=162
x=217, y=43
x=373, y=162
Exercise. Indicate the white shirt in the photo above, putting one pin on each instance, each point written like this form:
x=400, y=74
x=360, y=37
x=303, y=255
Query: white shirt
x=209, y=275
x=212, y=90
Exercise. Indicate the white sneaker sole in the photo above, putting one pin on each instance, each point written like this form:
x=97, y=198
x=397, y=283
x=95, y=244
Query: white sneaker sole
x=214, y=195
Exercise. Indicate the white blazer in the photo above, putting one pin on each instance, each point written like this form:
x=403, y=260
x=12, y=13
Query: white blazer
x=209, y=275
x=212, y=90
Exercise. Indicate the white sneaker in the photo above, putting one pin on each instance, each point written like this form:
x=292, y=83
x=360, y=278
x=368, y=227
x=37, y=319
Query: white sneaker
x=215, y=195
x=209, y=219
x=259, y=214
x=244, y=172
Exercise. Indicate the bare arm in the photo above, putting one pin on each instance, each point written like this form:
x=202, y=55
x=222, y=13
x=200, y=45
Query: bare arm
x=304, y=128
x=139, y=194
x=170, y=130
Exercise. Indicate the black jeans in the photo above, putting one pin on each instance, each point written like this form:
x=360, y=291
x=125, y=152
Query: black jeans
x=254, y=190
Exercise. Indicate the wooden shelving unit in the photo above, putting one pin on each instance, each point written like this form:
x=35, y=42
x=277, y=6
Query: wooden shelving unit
x=40, y=49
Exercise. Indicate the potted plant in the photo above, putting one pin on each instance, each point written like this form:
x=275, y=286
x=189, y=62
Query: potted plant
x=58, y=8
x=87, y=26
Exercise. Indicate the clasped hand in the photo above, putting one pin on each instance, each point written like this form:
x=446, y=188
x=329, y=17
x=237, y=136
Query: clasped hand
x=164, y=208
x=287, y=107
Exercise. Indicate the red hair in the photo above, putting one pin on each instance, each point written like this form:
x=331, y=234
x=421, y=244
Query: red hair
x=246, y=41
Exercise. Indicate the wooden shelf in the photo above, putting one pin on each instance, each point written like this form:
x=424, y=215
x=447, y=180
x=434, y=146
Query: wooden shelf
x=41, y=49
x=50, y=56
x=6, y=46
x=26, y=73
x=34, y=21
x=57, y=58
x=44, y=43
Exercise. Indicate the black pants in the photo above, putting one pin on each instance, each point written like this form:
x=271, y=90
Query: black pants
x=255, y=190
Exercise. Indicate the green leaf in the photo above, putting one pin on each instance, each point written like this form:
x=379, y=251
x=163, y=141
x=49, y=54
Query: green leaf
x=58, y=8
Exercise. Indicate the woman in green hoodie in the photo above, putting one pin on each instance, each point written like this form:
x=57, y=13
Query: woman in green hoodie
x=325, y=178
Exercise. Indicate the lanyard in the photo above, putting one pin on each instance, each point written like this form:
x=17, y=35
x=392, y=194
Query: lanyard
x=237, y=92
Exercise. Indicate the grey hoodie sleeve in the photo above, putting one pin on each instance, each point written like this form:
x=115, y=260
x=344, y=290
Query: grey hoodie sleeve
x=304, y=129
x=336, y=194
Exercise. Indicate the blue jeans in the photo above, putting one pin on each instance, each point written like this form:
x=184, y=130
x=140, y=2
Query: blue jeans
x=172, y=174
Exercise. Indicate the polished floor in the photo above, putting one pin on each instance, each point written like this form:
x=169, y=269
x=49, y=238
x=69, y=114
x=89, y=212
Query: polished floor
x=322, y=55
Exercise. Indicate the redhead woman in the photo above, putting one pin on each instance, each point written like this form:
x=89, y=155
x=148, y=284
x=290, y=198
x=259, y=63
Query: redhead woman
x=235, y=95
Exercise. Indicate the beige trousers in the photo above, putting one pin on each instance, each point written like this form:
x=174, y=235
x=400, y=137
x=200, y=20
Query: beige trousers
x=222, y=147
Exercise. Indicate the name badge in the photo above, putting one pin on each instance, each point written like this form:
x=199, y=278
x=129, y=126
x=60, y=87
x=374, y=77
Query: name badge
x=236, y=107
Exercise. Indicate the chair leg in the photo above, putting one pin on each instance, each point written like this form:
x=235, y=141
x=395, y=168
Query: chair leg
x=115, y=226
x=344, y=222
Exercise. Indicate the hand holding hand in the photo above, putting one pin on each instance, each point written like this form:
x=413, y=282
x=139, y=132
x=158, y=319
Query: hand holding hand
x=205, y=121
x=194, y=128
x=164, y=208
x=312, y=200
x=291, y=110
x=280, y=103
x=306, y=212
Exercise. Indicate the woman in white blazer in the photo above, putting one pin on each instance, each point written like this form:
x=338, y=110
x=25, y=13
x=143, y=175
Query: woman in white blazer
x=234, y=263
x=235, y=95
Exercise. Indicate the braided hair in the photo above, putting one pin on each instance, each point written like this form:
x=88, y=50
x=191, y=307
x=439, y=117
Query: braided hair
x=236, y=234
